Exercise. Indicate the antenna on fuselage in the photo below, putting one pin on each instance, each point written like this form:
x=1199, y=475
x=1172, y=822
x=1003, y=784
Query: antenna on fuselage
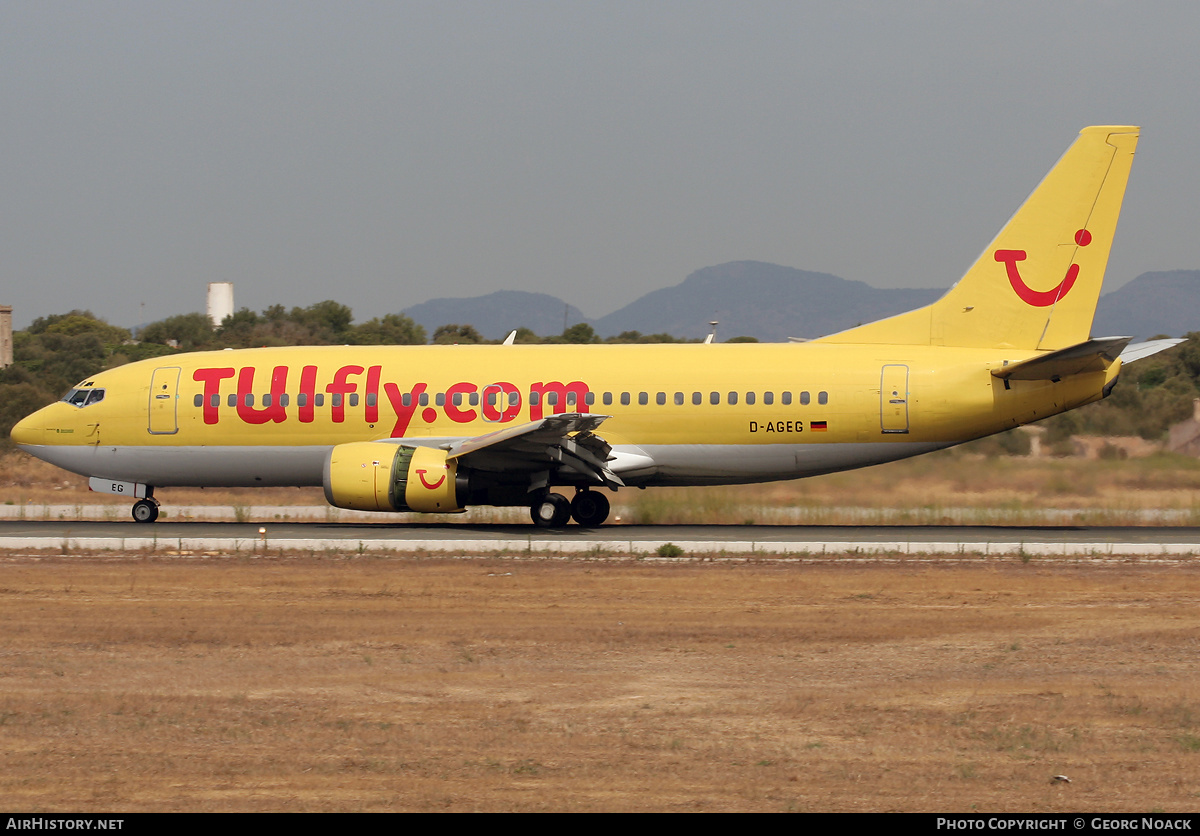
x=511, y=338
x=712, y=335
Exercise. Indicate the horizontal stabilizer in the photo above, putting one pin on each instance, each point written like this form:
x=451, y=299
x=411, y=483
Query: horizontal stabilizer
x=1139, y=350
x=1090, y=356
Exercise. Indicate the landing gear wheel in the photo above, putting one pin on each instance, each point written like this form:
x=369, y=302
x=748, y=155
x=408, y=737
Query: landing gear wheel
x=145, y=511
x=551, y=511
x=590, y=508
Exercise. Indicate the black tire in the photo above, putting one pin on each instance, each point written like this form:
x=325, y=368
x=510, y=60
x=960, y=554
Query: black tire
x=590, y=508
x=552, y=511
x=145, y=511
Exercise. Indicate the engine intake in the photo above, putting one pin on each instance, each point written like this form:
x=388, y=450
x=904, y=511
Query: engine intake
x=376, y=476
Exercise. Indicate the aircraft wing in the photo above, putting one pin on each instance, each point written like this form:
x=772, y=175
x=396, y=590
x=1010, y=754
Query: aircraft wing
x=565, y=440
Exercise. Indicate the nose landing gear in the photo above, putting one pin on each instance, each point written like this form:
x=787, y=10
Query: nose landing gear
x=146, y=510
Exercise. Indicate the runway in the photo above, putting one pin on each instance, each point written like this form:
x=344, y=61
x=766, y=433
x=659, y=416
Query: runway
x=644, y=541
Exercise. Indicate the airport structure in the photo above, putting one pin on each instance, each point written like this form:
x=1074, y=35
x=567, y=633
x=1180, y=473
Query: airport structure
x=220, y=302
x=6, y=337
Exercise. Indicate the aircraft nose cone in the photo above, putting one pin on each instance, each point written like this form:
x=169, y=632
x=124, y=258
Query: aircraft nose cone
x=28, y=430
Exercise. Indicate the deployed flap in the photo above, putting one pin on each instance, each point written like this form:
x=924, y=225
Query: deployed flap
x=1139, y=350
x=1090, y=356
x=563, y=440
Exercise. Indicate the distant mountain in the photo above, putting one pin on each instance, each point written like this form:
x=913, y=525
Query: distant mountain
x=1153, y=303
x=757, y=299
x=773, y=303
x=498, y=313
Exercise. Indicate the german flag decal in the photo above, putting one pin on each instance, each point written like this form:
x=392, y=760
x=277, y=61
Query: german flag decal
x=818, y=426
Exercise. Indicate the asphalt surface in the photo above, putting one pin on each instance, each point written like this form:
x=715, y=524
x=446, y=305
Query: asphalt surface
x=611, y=539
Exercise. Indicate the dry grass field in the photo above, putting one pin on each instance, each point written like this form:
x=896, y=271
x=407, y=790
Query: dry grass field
x=131, y=682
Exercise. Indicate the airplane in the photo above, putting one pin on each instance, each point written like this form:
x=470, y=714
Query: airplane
x=438, y=429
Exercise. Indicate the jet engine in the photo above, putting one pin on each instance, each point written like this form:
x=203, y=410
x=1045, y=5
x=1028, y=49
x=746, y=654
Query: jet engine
x=376, y=476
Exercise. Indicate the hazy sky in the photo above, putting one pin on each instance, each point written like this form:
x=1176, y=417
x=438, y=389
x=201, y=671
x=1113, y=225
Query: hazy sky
x=386, y=153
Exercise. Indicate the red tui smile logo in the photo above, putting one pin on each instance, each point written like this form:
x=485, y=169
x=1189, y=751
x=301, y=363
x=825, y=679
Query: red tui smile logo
x=425, y=482
x=1040, y=298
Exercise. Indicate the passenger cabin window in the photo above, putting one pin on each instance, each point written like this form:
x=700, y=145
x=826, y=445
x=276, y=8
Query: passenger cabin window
x=822, y=398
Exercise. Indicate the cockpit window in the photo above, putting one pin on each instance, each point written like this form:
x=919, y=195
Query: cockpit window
x=84, y=397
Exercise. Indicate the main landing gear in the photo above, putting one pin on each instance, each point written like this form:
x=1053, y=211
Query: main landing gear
x=588, y=508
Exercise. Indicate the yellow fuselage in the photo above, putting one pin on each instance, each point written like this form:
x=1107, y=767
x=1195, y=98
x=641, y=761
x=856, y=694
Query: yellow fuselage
x=681, y=405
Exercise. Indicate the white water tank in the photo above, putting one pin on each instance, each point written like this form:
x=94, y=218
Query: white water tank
x=220, y=301
x=6, y=336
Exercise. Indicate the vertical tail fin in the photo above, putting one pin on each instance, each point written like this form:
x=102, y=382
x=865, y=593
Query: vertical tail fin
x=1037, y=283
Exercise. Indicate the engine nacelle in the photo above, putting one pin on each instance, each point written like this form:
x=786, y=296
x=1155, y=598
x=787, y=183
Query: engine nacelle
x=375, y=476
